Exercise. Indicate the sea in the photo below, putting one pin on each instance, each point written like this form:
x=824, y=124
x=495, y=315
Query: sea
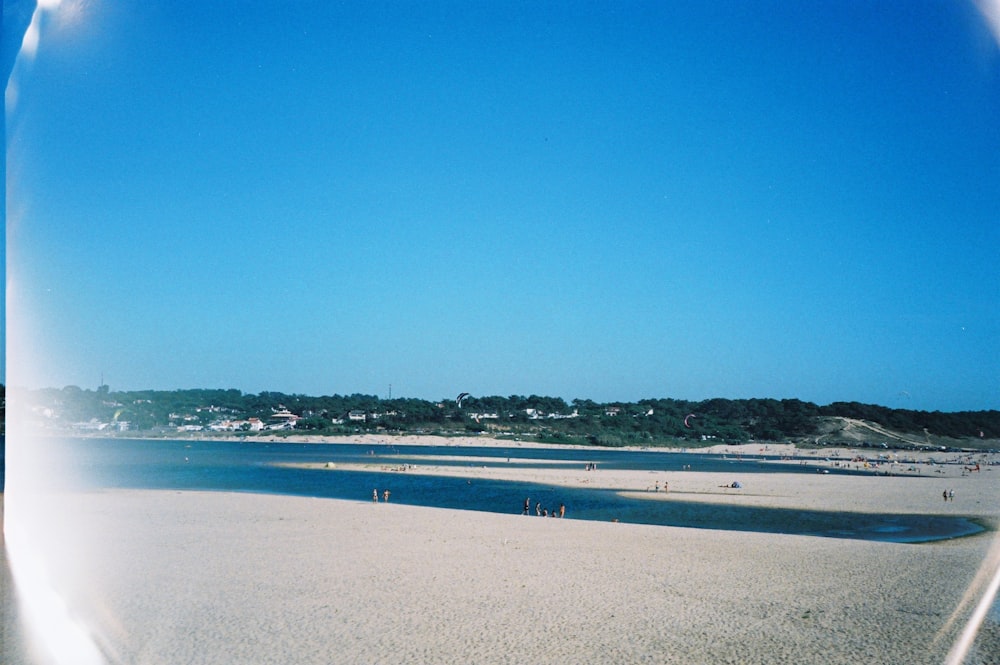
x=260, y=466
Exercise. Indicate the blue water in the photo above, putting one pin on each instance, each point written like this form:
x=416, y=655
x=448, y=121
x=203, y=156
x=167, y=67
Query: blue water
x=251, y=466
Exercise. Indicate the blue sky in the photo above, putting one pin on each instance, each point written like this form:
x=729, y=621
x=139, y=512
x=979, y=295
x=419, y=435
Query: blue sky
x=601, y=200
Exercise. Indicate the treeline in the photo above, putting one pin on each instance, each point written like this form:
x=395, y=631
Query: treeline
x=646, y=422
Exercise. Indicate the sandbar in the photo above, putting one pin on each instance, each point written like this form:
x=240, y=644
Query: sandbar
x=210, y=577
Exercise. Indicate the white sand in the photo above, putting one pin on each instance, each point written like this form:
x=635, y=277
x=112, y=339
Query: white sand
x=188, y=577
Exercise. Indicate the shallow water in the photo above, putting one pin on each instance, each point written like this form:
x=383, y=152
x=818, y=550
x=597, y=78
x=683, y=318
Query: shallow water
x=251, y=467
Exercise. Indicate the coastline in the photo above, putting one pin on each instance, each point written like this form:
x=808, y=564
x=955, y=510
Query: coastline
x=185, y=576
x=485, y=441
x=226, y=577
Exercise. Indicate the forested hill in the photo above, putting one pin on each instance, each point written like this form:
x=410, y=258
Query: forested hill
x=646, y=422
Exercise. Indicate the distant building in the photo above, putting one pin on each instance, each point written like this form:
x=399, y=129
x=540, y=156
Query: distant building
x=357, y=416
x=285, y=419
x=250, y=425
x=560, y=416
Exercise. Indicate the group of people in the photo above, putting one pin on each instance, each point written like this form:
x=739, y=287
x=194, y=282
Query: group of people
x=543, y=512
x=385, y=495
x=949, y=495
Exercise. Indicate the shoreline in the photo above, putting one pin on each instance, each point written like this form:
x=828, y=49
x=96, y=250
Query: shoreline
x=751, y=449
x=163, y=576
x=896, y=494
x=869, y=461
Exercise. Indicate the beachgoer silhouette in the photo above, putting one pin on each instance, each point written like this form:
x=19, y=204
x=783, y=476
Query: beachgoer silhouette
x=538, y=508
x=375, y=495
x=385, y=496
x=951, y=495
x=945, y=495
x=527, y=505
x=562, y=509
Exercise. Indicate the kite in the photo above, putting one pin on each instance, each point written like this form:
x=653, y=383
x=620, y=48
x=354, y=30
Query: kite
x=688, y=416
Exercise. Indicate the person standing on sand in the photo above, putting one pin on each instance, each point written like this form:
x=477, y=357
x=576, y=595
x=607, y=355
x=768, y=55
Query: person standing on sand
x=945, y=495
x=951, y=495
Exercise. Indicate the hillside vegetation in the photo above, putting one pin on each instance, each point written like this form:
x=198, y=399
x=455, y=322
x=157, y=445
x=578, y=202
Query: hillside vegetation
x=646, y=422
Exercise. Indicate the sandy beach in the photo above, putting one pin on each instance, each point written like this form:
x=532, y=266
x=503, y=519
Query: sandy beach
x=197, y=577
